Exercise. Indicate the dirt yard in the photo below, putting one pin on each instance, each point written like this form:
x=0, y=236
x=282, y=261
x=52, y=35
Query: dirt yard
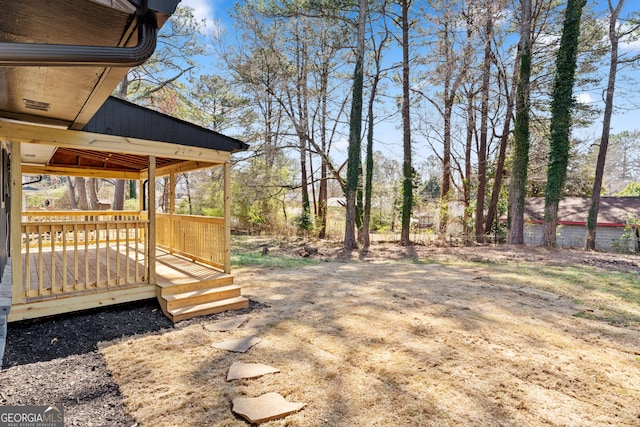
x=384, y=343
x=398, y=337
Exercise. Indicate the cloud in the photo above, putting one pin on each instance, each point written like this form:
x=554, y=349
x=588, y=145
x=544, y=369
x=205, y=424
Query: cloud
x=203, y=10
x=584, y=98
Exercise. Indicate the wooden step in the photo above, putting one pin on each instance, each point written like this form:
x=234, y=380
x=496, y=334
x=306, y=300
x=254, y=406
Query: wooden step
x=196, y=310
x=171, y=289
x=200, y=296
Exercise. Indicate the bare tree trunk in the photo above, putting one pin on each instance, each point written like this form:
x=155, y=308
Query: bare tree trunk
x=93, y=193
x=484, y=118
x=118, y=195
x=445, y=185
x=323, y=190
x=83, y=201
x=188, y=188
x=72, y=194
x=466, y=182
x=592, y=218
x=492, y=210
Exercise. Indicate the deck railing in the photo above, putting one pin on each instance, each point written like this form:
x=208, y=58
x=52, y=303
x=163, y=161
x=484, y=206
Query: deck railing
x=199, y=238
x=76, y=251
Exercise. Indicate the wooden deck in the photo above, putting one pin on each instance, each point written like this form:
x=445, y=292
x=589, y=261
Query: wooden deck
x=113, y=269
x=171, y=270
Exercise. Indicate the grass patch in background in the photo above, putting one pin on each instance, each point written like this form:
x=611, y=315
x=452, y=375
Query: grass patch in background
x=612, y=297
x=247, y=251
x=252, y=259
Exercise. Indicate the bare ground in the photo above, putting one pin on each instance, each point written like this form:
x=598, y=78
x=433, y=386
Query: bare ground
x=398, y=336
x=376, y=340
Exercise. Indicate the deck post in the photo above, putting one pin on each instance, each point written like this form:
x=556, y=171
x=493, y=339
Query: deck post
x=151, y=240
x=172, y=210
x=16, y=224
x=227, y=217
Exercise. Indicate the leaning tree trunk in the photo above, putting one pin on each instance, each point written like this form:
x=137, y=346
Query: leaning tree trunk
x=592, y=218
x=492, y=210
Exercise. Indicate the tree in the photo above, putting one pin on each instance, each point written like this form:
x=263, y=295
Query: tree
x=631, y=190
x=615, y=35
x=452, y=58
x=355, y=129
x=520, y=162
x=377, y=50
x=484, y=117
x=560, y=127
x=407, y=169
x=175, y=57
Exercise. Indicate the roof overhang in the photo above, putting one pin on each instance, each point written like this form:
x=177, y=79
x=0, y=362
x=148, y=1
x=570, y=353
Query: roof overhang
x=61, y=59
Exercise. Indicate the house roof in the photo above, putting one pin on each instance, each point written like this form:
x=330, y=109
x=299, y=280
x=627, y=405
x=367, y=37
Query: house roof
x=614, y=211
x=122, y=118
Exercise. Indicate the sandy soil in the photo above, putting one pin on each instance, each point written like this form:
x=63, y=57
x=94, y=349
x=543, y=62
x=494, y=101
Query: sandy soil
x=366, y=341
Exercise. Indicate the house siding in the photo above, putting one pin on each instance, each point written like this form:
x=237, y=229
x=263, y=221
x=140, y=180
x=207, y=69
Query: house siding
x=608, y=239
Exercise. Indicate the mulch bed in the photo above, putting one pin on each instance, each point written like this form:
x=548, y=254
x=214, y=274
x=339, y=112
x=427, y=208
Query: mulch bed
x=56, y=360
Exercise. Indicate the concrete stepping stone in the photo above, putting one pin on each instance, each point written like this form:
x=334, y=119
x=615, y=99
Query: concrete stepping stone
x=227, y=325
x=239, y=345
x=268, y=407
x=239, y=370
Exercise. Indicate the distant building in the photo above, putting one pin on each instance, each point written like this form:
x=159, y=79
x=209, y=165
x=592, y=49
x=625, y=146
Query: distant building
x=616, y=228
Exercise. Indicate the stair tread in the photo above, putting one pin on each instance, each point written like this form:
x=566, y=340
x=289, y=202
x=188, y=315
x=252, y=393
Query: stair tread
x=200, y=292
x=206, y=306
x=171, y=284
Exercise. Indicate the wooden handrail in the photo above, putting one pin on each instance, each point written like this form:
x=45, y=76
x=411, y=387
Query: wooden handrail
x=200, y=238
x=73, y=255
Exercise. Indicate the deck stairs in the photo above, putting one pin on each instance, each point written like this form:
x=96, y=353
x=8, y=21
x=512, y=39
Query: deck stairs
x=192, y=299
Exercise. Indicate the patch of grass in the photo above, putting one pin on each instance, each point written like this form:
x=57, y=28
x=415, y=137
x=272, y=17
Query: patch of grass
x=611, y=316
x=615, y=295
x=244, y=259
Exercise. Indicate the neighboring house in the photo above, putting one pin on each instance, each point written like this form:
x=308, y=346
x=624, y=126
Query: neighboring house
x=616, y=228
x=59, y=62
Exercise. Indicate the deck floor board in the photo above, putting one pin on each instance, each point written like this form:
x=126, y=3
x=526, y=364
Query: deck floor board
x=170, y=268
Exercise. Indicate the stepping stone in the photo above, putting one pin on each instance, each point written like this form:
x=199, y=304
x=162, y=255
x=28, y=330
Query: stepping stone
x=240, y=345
x=268, y=407
x=227, y=325
x=239, y=370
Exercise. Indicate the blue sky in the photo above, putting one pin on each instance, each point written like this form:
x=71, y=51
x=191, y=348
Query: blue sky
x=215, y=12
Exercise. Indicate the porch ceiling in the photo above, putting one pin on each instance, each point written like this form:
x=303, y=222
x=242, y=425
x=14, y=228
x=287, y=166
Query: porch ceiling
x=46, y=159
